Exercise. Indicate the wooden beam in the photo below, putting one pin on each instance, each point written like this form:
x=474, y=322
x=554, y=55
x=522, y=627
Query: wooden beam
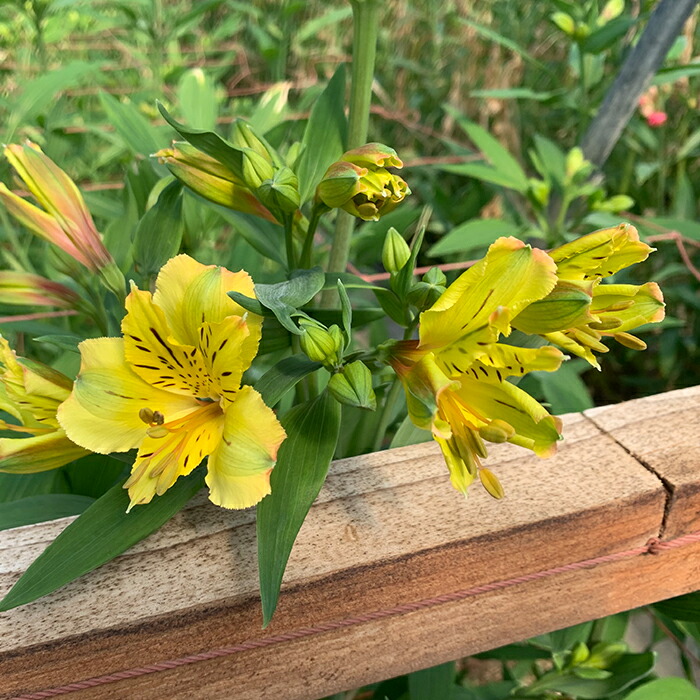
x=387, y=531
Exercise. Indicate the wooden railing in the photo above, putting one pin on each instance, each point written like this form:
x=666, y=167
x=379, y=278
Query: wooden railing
x=393, y=570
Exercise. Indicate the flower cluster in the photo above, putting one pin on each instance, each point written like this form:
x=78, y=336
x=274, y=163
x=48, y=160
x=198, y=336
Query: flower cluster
x=456, y=374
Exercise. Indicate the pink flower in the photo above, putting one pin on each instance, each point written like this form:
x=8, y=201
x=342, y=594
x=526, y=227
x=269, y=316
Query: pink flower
x=656, y=119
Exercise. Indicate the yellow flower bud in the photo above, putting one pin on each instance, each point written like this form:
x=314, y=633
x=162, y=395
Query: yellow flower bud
x=211, y=179
x=360, y=184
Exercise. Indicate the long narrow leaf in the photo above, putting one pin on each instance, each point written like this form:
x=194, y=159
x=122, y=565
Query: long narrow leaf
x=38, y=509
x=325, y=135
x=101, y=533
x=312, y=434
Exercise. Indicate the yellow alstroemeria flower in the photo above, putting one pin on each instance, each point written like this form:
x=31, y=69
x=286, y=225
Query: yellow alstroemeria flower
x=171, y=387
x=31, y=393
x=455, y=375
x=566, y=319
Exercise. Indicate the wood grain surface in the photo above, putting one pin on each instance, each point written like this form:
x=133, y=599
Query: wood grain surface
x=386, y=530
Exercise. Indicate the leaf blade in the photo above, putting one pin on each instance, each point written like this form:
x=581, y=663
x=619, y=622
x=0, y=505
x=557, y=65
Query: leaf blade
x=302, y=464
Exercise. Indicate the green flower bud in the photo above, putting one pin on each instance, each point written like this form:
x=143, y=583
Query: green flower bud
x=243, y=136
x=564, y=22
x=256, y=169
x=579, y=654
x=395, y=253
x=539, y=191
x=318, y=343
x=211, y=179
x=338, y=339
x=353, y=386
x=425, y=293
x=619, y=202
x=435, y=276
x=576, y=163
x=604, y=654
x=281, y=193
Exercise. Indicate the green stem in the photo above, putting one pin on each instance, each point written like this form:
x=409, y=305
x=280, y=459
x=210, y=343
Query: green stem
x=386, y=415
x=289, y=243
x=316, y=213
x=364, y=49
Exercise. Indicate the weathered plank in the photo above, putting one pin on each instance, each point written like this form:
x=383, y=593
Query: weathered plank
x=386, y=530
x=663, y=432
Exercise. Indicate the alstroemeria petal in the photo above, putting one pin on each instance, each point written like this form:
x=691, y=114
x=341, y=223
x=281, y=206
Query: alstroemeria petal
x=191, y=294
x=600, y=254
x=423, y=384
x=566, y=306
x=228, y=351
x=568, y=343
x=155, y=355
x=102, y=413
x=239, y=469
x=534, y=427
x=38, y=453
x=647, y=304
x=511, y=276
x=499, y=361
x=461, y=473
x=161, y=460
x=41, y=224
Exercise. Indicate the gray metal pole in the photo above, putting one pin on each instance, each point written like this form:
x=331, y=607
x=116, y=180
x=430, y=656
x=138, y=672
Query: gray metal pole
x=641, y=65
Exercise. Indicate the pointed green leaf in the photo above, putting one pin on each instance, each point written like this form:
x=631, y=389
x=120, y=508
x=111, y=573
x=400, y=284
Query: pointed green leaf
x=139, y=135
x=302, y=464
x=285, y=375
x=471, y=235
x=285, y=298
x=159, y=232
x=78, y=550
x=325, y=135
x=209, y=142
x=39, y=509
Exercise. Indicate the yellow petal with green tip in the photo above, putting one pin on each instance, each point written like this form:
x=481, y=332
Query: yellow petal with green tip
x=38, y=453
x=191, y=294
x=600, y=254
x=534, y=428
x=511, y=276
x=238, y=472
x=647, y=307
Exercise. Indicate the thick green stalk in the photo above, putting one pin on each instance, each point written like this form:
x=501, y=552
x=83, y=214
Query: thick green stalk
x=364, y=49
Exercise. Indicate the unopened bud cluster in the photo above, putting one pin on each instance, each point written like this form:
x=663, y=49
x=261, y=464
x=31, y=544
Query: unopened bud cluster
x=361, y=184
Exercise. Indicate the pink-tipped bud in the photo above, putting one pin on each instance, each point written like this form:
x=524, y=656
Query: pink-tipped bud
x=26, y=289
